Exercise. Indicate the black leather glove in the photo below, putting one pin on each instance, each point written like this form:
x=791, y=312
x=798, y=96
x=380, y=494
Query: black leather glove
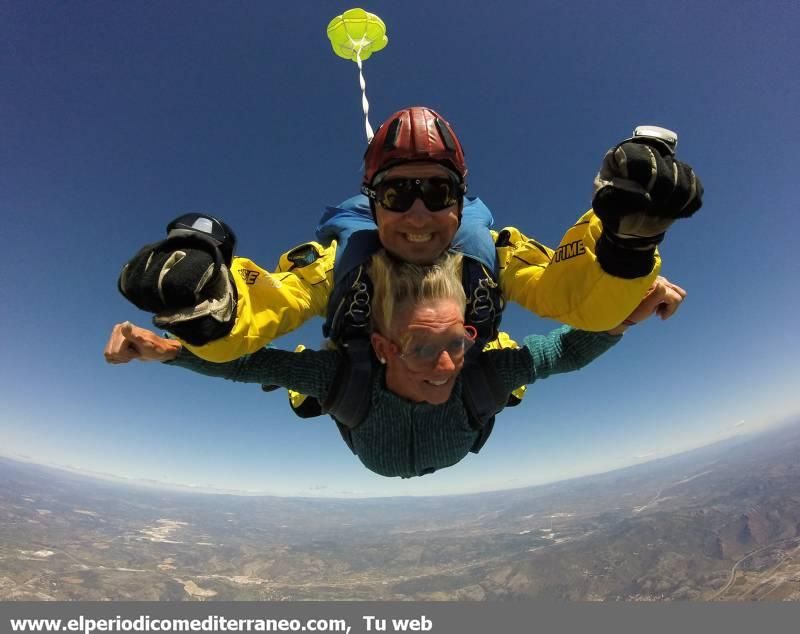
x=185, y=279
x=641, y=189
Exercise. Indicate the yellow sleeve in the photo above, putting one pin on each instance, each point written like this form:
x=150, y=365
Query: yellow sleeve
x=272, y=304
x=568, y=284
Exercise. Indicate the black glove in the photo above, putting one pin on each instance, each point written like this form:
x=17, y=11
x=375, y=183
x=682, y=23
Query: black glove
x=641, y=190
x=185, y=281
x=168, y=276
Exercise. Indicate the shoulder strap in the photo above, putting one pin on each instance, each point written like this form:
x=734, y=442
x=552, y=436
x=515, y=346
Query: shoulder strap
x=350, y=399
x=483, y=395
x=485, y=302
x=349, y=308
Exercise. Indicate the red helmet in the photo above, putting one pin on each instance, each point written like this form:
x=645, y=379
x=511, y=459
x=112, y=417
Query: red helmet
x=414, y=134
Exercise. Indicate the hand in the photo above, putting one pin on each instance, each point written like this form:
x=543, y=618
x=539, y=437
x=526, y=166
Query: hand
x=128, y=342
x=641, y=189
x=663, y=299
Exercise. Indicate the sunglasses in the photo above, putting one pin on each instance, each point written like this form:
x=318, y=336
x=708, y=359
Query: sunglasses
x=398, y=194
x=423, y=353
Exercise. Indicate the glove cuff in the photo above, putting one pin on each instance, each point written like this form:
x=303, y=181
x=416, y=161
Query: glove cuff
x=626, y=260
x=633, y=242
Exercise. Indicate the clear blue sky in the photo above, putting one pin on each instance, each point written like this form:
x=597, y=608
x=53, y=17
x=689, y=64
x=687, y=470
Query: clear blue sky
x=116, y=117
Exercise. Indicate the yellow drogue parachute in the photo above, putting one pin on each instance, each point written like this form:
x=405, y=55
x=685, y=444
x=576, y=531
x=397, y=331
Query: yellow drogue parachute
x=356, y=35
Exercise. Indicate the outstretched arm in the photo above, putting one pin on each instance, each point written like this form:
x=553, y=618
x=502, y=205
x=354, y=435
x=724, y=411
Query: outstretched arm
x=569, y=284
x=567, y=349
x=564, y=349
x=272, y=304
x=311, y=372
x=607, y=261
x=222, y=311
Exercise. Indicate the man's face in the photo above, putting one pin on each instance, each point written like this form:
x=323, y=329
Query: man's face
x=418, y=235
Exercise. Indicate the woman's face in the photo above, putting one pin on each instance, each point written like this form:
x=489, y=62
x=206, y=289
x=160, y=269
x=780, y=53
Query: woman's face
x=425, y=351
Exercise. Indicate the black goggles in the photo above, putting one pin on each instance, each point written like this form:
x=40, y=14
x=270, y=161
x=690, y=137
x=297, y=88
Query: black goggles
x=398, y=194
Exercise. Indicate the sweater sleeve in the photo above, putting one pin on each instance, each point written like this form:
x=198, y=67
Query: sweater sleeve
x=309, y=372
x=564, y=349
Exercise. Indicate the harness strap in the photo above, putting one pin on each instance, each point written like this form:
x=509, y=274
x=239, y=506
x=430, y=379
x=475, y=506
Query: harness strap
x=483, y=395
x=350, y=318
x=351, y=397
x=484, y=300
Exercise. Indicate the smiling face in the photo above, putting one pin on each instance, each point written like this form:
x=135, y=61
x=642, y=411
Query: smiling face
x=438, y=321
x=418, y=235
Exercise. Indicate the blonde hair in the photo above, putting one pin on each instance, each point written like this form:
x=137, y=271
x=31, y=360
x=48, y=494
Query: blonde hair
x=399, y=285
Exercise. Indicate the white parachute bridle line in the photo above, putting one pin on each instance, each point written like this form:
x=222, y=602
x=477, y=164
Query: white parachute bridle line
x=357, y=46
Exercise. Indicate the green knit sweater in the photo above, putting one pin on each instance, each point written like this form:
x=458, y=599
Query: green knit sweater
x=399, y=437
